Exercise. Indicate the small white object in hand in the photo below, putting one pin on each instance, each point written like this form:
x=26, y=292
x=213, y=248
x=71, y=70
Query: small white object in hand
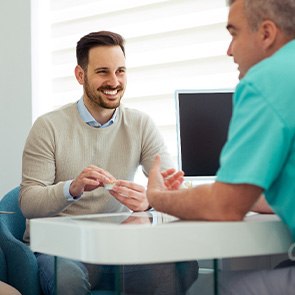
x=109, y=186
x=187, y=184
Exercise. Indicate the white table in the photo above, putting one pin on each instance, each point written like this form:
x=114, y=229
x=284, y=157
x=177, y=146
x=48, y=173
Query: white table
x=103, y=239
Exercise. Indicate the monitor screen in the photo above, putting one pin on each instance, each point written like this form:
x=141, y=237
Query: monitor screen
x=202, y=125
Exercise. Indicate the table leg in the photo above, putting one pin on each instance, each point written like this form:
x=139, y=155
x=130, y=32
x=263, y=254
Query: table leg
x=117, y=280
x=215, y=266
x=55, y=275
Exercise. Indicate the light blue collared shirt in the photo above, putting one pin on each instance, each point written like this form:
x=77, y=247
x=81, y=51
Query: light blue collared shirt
x=88, y=119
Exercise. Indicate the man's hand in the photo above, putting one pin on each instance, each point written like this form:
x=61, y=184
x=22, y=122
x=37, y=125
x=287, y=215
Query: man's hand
x=172, y=179
x=165, y=180
x=131, y=195
x=162, y=181
x=89, y=179
x=143, y=218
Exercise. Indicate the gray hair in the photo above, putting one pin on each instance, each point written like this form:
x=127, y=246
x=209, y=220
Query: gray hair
x=281, y=12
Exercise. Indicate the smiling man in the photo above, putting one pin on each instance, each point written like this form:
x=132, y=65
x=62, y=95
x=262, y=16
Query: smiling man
x=259, y=155
x=73, y=154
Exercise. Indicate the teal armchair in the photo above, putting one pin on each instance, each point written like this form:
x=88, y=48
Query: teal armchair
x=21, y=264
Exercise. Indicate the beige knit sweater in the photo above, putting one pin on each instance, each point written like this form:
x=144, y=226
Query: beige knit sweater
x=60, y=145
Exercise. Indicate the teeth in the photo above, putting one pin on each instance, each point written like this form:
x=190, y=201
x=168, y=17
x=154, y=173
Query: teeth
x=110, y=92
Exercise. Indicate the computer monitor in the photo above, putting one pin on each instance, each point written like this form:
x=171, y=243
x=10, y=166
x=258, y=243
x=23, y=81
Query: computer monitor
x=202, y=124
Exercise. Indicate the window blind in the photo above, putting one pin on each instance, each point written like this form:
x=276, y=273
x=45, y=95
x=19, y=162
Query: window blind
x=170, y=45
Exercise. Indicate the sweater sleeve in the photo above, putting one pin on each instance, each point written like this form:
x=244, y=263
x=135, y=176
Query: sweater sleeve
x=153, y=144
x=40, y=196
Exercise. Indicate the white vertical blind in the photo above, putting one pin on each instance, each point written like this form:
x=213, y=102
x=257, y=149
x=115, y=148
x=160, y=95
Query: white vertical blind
x=170, y=44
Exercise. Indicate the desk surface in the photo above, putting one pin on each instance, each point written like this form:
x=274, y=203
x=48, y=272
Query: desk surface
x=138, y=238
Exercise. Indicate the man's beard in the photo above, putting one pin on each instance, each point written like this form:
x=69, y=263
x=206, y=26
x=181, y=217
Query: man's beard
x=98, y=100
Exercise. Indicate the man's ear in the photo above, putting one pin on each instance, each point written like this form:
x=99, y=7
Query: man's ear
x=269, y=32
x=79, y=73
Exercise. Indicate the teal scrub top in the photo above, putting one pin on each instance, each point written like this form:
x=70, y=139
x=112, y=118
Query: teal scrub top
x=260, y=149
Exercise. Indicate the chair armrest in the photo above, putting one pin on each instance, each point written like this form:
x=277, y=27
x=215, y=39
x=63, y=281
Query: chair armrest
x=22, y=268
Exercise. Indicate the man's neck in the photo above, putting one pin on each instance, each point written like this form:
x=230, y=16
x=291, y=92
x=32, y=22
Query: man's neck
x=101, y=115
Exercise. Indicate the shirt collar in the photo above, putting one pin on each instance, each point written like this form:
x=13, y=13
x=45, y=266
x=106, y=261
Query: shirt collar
x=88, y=118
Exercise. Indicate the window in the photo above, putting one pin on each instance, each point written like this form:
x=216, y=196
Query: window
x=170, y=44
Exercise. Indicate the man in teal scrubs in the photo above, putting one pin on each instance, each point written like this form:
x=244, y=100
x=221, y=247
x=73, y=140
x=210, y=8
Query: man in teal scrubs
x=259, y=156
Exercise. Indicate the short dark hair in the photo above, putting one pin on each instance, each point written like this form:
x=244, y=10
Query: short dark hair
x=101, y=38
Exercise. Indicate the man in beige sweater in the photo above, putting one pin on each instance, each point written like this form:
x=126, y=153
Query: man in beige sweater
x=73, y=153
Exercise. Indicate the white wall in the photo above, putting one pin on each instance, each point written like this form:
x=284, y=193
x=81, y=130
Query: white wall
x=15, y=88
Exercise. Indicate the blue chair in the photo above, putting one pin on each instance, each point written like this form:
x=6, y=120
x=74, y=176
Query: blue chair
x=3, y=276
x=21, y=264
